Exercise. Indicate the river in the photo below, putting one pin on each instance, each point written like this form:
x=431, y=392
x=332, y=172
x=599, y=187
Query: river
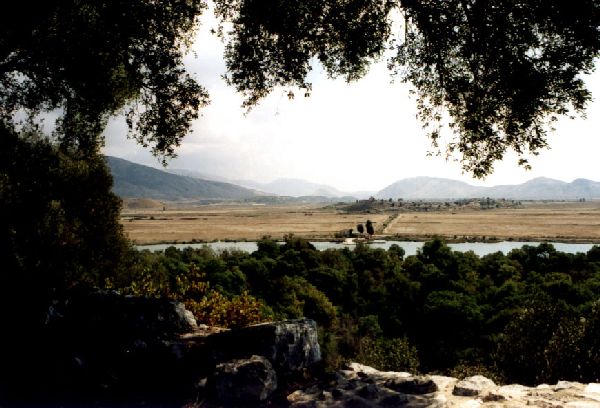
x=410, y=247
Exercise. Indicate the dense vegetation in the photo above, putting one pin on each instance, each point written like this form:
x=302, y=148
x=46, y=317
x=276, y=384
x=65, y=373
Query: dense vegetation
x=529, y=316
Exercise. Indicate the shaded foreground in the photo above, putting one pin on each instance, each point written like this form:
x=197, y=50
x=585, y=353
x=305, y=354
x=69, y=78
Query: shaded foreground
x=529, y=316
x=560, y=221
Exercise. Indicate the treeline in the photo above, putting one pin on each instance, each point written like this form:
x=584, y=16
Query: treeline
x=530, y=316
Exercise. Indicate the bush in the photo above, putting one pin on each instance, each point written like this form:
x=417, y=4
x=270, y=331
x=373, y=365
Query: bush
x=388, y=354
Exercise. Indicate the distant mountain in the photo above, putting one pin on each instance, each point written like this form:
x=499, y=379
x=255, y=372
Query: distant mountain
x=135, y=180
x=198, y=175
x=293, y=187
x=416, y=188
x=542, y=188
x=536, y=189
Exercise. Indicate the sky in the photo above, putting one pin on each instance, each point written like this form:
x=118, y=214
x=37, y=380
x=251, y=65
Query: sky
x=361, y=136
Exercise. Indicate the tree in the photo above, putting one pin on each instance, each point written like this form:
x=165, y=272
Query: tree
x=503, y=71
x=90, y=59
x=360, y=228
x=370, y=229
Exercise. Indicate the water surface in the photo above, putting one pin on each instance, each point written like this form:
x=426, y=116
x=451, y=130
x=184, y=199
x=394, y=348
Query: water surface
x=410, y=247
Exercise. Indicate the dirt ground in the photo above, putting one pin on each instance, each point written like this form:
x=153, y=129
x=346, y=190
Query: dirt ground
x=566, y=222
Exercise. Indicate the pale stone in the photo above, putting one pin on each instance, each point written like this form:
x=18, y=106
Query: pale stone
x=443, y=382
x=582, y=404
x=592, y=388
x=512, y=391
x=563, y=385
x=471, y=403
x=472, y=386
x=543, y=387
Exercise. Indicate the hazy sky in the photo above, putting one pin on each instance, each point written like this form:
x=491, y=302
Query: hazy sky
x=359, y=136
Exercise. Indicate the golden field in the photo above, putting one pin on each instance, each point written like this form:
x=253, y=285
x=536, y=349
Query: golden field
x=554, y=221
x=566, y=222
x=236, y=222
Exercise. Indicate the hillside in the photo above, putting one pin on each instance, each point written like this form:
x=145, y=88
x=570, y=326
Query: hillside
x=536, y=189
x=133, y=180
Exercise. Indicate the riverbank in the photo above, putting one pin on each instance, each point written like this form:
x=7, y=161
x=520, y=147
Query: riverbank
x=409, y=247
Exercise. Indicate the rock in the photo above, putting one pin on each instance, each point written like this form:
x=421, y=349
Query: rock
x=374, y=373
x=243, y=381
x=582, y=404
x=289, y=345
x=472, y=386
x=368, y=391
x=592, y=388
x=109, y=315
x=563, y=385
x=414, y=385
x=444, y=383
x=507, y=392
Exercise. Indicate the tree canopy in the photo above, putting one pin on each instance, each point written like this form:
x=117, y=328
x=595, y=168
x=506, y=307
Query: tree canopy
x=503, y=70
x=91, y=59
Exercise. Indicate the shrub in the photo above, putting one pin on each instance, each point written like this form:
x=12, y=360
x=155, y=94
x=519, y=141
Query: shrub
x=394, y=354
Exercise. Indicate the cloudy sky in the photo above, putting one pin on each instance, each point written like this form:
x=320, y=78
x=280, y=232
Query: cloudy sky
x=359, y=136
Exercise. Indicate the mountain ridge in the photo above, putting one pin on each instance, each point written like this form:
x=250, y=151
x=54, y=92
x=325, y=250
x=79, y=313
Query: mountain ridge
x=539, y=188
x=132, y=180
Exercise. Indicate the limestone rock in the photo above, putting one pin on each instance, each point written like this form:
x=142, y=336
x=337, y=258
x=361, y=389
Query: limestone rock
x=592, y=388
x=414, y=385
x=563, y=385
x=243, y=381
x=362, y=386
x=473, y=386
x=289, y=345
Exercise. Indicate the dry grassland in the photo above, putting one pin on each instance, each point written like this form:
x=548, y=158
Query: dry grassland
x=535, y=221
x=221, y=222
x=566, y=222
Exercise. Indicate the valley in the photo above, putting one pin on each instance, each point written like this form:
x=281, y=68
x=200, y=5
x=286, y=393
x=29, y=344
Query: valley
x=531, y=221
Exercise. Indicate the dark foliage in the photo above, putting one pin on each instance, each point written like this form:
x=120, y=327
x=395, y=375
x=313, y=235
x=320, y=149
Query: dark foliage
x=92, y=58
x=530, y=316
x=503, y=70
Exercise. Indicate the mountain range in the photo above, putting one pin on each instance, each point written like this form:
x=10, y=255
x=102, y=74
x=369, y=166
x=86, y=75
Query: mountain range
x=133, y=180
x=540, y=188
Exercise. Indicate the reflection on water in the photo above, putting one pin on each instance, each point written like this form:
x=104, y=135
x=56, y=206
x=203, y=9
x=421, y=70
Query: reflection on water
x=410, y=247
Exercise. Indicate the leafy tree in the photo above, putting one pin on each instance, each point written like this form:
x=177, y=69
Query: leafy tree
x=370, y=229
x=58, y=220
x=503, y=71
x=90, y=59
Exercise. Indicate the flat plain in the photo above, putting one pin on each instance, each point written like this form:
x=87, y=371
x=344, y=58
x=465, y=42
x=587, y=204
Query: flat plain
x=238, y=222
x=546, y=221
x=552, y=221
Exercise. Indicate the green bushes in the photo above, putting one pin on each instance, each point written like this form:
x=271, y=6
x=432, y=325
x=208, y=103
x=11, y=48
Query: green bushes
x=388, y=354
x=529, y=316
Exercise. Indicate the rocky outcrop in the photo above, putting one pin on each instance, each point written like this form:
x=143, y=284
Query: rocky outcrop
x=101, y=347
x=249, y=380
x=290, y=345
x=362, y=386
x=472, y=386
